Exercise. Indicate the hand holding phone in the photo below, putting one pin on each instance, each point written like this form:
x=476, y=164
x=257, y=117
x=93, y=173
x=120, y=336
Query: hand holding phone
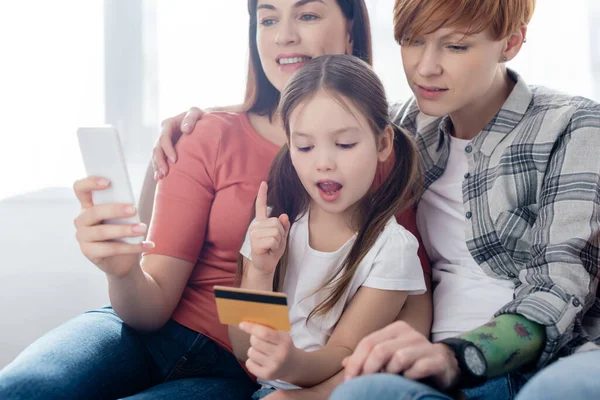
x=103, y=157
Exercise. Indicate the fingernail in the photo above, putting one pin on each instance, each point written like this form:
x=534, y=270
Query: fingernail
x=148, y=245
x=162, y=173
x=130, y=210
x=141, y=228
x=173, y=160
x=185, y=127
x=103, y=182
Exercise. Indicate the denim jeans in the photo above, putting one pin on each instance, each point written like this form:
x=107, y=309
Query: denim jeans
x=396, y=387
x=97, y=356
x=262, y=393
x=576, y=377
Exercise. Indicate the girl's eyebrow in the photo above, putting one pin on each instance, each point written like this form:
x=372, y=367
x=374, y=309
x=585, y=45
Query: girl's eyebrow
x=298, y=4
x=349, y=129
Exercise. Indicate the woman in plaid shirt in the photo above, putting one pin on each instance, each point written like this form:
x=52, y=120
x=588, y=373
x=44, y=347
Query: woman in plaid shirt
x=517, y=169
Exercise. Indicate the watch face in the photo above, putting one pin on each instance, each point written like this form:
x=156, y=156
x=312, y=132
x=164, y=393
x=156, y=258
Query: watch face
x=475, y=361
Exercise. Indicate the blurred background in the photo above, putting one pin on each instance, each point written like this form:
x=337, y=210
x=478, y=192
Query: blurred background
x=133, y=63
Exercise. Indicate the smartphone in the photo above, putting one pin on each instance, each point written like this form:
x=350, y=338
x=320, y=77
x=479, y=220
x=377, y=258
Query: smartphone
x=102, y=155
x=236, y=305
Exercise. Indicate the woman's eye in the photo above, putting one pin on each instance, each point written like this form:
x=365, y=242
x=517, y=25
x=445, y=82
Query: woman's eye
x=458, y=48
x=406, y=41
x=309, y=17
x=346, y=146
x=267, y=21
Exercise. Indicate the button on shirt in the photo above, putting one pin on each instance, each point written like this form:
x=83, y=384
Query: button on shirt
x=533, y=195
x=465, y=297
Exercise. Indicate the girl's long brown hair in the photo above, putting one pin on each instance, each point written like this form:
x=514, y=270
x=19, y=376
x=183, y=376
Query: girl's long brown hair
x=350, y=80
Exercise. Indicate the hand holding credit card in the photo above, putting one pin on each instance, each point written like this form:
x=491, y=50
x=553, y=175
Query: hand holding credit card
x=236, y=305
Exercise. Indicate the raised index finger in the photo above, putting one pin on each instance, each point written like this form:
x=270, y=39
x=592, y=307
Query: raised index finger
x=261, y=202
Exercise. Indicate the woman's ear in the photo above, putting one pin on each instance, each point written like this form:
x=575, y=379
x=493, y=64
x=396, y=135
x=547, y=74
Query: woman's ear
x=514, y=42
x=349, y=41
x=385, y=144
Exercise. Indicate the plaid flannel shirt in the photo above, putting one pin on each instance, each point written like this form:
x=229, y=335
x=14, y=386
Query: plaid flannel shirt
x=532, y=205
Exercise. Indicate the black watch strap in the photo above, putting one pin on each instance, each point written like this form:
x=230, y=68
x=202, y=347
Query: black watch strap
x=467, y=378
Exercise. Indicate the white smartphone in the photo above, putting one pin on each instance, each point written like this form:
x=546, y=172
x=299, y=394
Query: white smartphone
x=103, y=157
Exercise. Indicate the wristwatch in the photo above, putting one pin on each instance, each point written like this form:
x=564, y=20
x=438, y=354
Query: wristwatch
x=472, y=363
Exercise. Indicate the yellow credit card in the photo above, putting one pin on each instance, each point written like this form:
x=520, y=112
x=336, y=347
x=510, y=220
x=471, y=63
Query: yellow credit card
x=237, y=305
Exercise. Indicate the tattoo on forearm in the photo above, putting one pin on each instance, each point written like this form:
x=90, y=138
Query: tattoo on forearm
x=522, y=331
x=508, y=342
x=512, y=357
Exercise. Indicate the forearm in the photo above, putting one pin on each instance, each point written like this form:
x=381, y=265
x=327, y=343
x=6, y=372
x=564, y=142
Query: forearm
x=138, y=300
x=324, y=389
x=240, y=340
x=418, y=311
x=312, y=368
x=253, y=279
x=508, y=342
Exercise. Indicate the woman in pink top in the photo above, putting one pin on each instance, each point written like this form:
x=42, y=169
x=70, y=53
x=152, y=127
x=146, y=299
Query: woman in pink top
x=161, y=338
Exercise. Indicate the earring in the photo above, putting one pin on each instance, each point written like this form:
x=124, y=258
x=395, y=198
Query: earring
x=503, y=59
x=525, y=40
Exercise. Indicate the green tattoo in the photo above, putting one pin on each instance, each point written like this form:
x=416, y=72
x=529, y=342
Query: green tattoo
x=508, y=342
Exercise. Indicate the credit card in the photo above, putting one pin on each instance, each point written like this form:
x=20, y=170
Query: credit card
x=236, y=305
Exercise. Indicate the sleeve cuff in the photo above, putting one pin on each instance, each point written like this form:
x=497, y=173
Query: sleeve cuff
x=413, y=286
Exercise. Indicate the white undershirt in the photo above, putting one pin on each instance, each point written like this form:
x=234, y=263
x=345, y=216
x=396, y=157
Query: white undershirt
x=464, y=297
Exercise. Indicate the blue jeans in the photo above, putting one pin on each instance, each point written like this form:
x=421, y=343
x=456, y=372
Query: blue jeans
x=394, y=387
x=574, y=377
x=97, y=356
x=262, y=393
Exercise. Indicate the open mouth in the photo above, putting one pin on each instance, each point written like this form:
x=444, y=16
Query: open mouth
x=329, y=190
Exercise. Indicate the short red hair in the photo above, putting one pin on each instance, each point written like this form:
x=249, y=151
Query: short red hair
x=415, y=18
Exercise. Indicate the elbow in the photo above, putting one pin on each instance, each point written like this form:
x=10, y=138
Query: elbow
x=149, y=323
x=146, y=326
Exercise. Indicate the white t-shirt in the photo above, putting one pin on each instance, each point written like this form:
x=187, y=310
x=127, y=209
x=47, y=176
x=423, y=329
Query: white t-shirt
x=391, y=264
x=464, y=297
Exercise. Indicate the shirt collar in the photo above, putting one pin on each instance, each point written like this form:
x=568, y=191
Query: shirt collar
x=507, y=118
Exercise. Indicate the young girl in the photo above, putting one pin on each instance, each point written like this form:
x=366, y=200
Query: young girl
x=332, y=245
